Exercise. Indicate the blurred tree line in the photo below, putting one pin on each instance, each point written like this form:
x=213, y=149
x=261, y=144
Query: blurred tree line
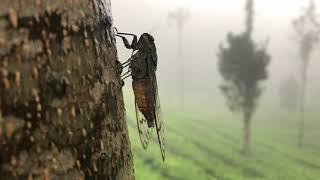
x=307, y=27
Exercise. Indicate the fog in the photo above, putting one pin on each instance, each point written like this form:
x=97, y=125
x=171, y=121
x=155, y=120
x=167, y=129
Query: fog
x=209, y=23
x=203, y=137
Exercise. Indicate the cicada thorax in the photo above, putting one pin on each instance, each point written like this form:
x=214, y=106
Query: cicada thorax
x=144, y=96
x=143, y=86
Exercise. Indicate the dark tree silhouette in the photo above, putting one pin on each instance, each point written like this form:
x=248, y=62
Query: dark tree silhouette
x=243, y=65
x=307, y=27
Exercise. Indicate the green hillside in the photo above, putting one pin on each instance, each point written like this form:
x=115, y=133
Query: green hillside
x=208, y=146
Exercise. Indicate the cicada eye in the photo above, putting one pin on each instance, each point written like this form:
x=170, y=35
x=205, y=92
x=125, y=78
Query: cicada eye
x=151, y=38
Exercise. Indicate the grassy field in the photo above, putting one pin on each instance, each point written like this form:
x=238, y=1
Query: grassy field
x=208, y=145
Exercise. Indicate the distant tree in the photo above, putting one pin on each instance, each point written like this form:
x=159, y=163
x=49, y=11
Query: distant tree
x=180, y=16
x=243, y=66
x=289, y=93
x=307, y=28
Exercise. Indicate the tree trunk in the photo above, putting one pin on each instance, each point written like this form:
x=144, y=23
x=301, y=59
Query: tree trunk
x=302, y=103
x=247, y=134
x=61, y=103
x=182, y=67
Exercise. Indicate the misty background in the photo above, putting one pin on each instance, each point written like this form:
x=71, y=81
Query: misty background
x=215, y=141
x=204, y=31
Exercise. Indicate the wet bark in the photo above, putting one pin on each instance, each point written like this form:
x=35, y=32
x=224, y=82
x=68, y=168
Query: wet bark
x=61, y=103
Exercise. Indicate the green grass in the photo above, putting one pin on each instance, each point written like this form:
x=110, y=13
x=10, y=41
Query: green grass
x=208, y=145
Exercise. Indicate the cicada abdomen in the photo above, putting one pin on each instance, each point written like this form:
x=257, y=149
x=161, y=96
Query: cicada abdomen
x=144, y=97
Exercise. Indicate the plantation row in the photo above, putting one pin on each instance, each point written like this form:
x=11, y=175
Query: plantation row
x=215, y=153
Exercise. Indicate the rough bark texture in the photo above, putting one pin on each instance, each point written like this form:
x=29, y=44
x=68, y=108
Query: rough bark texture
x=61, y=103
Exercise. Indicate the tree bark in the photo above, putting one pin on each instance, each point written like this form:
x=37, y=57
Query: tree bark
x=247, y=134
x=61, y=103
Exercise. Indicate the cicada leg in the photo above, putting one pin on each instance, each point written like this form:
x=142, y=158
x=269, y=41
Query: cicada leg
x=134, y=43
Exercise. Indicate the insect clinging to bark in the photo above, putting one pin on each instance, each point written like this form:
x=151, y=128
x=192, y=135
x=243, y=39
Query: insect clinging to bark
x=142, y=66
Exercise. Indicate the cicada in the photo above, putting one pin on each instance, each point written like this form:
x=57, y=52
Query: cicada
x=142, y=66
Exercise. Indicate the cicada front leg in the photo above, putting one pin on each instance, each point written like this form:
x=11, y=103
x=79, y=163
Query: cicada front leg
x=121, y=67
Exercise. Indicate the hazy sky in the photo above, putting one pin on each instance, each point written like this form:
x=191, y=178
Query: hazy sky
x=266, y=7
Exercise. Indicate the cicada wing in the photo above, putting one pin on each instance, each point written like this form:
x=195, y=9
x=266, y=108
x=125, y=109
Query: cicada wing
x=160, y=133
x=158, y=119
x=143, y=130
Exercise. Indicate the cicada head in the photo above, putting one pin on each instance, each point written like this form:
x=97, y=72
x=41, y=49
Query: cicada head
x=146, y=43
